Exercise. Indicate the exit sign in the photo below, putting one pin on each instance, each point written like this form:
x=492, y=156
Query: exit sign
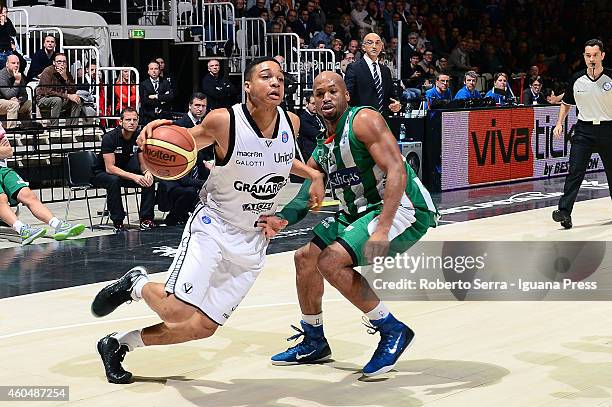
x=136, y=34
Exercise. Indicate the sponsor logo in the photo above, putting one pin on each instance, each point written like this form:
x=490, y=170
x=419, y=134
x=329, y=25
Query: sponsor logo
x=206, y=219
x=298, y=356
x=344, y=178
x=250, y=163
x=249, y=154
x=269, y=143
x=499, y=145
x=257, y=207
x=545, y=141
x=265, y=188
x=285, y=137
x=283, y=157
x=394, y=347
x=160, y=155
x=187, y=288
x=607, y=86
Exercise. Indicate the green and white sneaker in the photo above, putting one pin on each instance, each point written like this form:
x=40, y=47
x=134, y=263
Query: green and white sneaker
x=66, y=230
x=29, y=234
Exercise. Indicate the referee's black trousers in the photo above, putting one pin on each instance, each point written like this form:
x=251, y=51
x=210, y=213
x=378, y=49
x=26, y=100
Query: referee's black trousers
x=587, y=139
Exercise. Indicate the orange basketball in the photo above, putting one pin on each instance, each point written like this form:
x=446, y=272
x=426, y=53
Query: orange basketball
x=170, y=152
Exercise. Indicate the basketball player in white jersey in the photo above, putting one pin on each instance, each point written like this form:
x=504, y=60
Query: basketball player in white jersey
x=223, y=247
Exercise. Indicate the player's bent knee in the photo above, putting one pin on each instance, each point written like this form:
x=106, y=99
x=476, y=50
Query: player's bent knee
x=175, y=311
x=27, y=196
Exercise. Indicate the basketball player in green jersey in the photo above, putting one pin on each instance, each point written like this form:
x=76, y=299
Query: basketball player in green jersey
x=384, y=209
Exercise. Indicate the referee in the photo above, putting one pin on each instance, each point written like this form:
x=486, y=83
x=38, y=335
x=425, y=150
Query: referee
x=591, y=91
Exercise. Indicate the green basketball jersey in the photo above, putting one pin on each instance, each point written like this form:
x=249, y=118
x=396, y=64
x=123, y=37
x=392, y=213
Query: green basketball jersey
x=355, y=179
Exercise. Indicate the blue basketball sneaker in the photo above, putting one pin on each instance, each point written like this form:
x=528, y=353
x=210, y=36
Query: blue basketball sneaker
x=395, y=337
x=313, y=348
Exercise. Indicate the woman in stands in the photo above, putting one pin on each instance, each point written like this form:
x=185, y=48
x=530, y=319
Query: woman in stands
x=125, y=91
x=7, y=30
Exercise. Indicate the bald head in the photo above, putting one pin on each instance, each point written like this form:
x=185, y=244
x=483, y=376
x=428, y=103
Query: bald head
x=12, y=63
x=372, y=45
x=329, y=77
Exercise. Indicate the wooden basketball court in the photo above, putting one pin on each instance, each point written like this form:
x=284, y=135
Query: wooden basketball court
x=465, y=354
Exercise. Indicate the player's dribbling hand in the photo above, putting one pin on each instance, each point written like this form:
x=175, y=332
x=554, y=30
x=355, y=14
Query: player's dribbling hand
x=147, y=131
x=271, y=225
x=376, y=246
x=316, y=193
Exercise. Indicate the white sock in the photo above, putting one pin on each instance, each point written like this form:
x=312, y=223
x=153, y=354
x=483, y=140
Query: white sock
x=379, y=312
x=54, y=222
x=137, y=290
x=314, y=320
x=17, y=226
x=132, y=339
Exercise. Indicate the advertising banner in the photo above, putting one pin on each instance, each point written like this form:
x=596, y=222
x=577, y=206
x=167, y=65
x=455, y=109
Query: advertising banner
x=489, y=146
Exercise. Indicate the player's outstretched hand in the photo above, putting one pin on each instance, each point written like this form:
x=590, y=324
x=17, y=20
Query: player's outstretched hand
x=147, y=131
x=271, y=225
x=316, y=193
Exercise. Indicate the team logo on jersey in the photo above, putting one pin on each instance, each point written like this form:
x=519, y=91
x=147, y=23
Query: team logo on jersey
x=607, y=86
x=268, y=143
x=265, y=188
x=206, y=219
x=285, y=136
x=344, y=178
x=188, y=288
x=258, y=207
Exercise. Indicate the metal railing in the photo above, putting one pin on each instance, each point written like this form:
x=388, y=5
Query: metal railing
x=21, y=21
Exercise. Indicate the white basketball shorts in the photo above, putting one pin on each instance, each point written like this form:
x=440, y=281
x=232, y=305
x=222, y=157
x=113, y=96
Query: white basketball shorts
x=215, y=265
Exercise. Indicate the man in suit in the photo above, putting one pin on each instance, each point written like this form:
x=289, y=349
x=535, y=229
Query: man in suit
x=156, y=95
x=180, y=197
x=219, y=90
x=369, y=82
x=311, y=126
x=534, y=95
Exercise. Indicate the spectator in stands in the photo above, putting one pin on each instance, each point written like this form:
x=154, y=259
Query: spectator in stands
x=440, y=93
x=369, y=82
x=56, y=92
x=125, y=91
x=411, y=48
x=499, y=93
x=42, y=58
x=469, y=90
x=459, y=59
x=7, y=30
x=317, y=15
x=534, y=95
x=180, y=197
x=164, y=74
x=353, y=48
x=359, y=14
x=390, y=56
x=155, y=95
x=345, y=30
x=14, y=190
x=349, y=58
x=304, y=26
x=415, y=77
x=120, y=165
x=337, y=47
x=219, y=90
x=86, y=90
x=257, y=9
x=311, y=127
x=429, y=67
x=326, y=36
x=442, y=66
x=14, y=101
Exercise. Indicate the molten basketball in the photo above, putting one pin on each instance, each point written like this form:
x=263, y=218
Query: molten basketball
x=170, y=152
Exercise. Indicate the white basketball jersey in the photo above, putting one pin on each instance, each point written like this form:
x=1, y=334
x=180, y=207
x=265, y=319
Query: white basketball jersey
x=246, y=183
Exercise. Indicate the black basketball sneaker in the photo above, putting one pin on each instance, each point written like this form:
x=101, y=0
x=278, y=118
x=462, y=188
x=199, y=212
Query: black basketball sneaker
x=117, y=293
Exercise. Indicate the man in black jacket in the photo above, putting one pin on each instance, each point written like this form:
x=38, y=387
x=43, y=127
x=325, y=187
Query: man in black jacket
x=156, y=95
x=369, y=82
x=218, y=89
x=180, y=197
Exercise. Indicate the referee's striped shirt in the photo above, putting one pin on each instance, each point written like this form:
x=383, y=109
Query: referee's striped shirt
x=593, y=98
